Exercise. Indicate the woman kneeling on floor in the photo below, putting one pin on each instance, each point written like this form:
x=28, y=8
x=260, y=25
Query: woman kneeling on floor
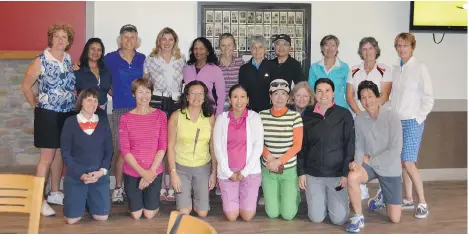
x=379, y=141
x=238, y=143
x=327, y=150
x=86, y=145
x=283, y=138
x=143, y=143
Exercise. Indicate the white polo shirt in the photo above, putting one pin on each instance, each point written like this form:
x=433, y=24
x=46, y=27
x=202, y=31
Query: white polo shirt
x=412, y=94
x=357, y=74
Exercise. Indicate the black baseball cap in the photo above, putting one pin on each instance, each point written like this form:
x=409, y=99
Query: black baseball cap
x=282, y=37
x=128, y=28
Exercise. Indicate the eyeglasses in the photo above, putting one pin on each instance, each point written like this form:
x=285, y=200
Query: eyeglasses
x=403, y=46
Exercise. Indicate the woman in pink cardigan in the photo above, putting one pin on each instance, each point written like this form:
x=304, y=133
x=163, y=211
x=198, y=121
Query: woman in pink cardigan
x=203, y=66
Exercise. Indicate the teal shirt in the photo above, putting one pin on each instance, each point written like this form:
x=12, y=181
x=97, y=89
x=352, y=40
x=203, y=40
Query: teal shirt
x=338, y=74
x=255, y=65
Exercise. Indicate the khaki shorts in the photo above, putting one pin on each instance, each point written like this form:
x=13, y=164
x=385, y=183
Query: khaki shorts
x=196, y=179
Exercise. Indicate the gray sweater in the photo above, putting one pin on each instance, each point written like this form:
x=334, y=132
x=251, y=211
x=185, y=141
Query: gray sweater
x=381, y=139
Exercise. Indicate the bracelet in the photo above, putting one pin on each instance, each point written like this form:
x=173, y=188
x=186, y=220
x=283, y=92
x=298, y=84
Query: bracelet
x=173, y=170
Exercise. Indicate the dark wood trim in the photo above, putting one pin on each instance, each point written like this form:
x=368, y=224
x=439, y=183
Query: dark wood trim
x=264, y=6
x=18, y=54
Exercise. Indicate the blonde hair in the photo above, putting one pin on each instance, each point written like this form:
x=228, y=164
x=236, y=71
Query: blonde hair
x=119, y=41
x=67, y=28
x=409, y=37
x=175, y=49
x=227, y=35
x=326, y=38
x=300, y=85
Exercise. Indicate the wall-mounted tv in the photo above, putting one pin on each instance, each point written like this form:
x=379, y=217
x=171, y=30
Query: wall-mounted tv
x=443, y=16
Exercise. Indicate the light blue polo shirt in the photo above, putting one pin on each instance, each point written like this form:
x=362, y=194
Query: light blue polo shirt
x=338, y=74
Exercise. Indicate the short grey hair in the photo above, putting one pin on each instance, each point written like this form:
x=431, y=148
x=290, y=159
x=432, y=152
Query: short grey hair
x=258, y=40
x=119, y=41
x=373, y=43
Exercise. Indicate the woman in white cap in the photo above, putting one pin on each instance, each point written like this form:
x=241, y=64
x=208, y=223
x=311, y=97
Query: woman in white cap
x=126, y=65
x=282, y=141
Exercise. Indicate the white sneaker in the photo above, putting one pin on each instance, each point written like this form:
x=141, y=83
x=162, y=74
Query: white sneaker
x=406, y=205
x=364, y=192
x=46, y=210
x=261, y=201
x=422, y=211
x=117, y=196
x=55, y=198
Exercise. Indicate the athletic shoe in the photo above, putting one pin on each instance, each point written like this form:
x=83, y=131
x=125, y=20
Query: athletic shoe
x=356, y=222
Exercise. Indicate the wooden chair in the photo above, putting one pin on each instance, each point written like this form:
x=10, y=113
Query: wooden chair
x=188, y=225
x=22, y=194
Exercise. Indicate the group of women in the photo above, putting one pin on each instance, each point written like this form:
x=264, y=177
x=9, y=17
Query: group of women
x=182, y=128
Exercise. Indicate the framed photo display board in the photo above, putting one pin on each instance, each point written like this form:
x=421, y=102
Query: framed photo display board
x=245, y=20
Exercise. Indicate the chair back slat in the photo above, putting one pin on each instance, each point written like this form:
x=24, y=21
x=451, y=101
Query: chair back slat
x=22, y=194
x=15, y=192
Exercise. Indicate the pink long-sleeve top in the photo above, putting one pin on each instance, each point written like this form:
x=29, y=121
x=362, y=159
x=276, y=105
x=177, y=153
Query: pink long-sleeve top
x=143, y=136
x=212, y=76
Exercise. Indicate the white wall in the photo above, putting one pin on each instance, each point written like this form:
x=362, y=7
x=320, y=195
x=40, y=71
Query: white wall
x=350, y=21
x=149, y=18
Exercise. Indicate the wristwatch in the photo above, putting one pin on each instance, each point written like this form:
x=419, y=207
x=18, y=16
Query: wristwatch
x=104, y=171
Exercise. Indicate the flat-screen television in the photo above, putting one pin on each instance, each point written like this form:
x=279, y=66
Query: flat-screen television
x=443, y=16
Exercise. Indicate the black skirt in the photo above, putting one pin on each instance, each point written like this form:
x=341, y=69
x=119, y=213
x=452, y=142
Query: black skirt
x=48, y=126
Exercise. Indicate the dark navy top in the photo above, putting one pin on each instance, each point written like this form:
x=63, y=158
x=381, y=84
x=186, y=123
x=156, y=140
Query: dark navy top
x=83, y=153
x=85, y=78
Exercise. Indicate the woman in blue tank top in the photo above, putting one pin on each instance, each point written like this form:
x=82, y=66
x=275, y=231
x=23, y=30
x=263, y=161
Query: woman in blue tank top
x=52, y=70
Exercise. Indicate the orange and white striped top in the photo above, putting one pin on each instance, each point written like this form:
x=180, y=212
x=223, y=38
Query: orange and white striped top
x=88, y=125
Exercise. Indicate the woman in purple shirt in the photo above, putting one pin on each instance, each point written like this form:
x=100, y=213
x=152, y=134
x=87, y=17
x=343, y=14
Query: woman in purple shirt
x=203, y=66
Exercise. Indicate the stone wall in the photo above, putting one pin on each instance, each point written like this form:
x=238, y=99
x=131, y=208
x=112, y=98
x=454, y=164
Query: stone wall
x=16, y=117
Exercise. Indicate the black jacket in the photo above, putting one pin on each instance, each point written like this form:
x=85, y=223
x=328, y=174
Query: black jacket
x=290, y=70
x=328, y=143
x=257, y=83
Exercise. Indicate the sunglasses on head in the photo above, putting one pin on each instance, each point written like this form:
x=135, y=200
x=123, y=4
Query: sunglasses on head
x=276, y=84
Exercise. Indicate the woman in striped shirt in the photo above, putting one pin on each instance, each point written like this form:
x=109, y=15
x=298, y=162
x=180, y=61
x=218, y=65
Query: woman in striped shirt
x=143, y=143
x=229, y=63
x=282, y=141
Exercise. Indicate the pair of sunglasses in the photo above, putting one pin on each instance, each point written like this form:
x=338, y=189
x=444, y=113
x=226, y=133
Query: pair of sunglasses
x=276, y=84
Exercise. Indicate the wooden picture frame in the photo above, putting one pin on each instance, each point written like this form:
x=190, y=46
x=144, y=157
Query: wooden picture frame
x=265, y=19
